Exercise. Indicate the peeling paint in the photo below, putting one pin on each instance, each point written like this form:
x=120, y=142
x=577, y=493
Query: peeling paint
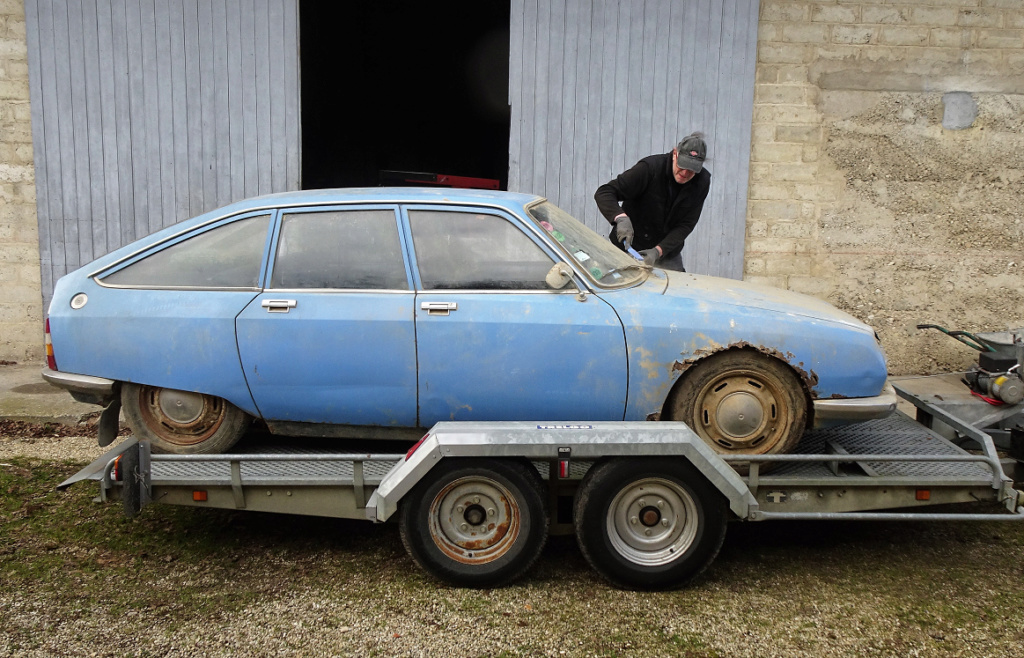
x=809, y=379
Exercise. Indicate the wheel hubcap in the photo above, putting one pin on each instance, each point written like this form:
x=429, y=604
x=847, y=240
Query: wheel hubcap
x=741, y=412
x=181, y=418
x=652, y=521
x=181, y=406
x=474, y=520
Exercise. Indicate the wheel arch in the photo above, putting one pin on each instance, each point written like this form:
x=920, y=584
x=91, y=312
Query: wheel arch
x=807, y=379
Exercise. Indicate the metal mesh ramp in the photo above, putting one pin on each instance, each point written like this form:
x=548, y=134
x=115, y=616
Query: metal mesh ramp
x=272, y=466
x=895, y=435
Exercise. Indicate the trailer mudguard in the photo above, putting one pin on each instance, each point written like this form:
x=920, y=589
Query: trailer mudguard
x=556, y=441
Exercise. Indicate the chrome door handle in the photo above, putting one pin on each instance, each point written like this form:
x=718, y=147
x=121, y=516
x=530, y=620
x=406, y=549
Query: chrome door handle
x=439, y=308
x=278, y=305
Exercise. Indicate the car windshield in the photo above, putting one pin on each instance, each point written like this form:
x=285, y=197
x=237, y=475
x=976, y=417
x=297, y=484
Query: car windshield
x=596, y=255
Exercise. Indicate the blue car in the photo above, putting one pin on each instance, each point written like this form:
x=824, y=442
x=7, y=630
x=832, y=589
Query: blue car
x=375, y=313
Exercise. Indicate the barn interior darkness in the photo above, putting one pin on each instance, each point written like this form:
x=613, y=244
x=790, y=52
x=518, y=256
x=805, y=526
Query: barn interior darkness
x=406, y=86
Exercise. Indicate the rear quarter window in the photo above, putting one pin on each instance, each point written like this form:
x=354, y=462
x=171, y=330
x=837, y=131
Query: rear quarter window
x=228, y=256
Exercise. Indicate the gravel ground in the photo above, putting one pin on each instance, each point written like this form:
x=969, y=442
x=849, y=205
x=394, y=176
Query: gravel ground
x=79, y=579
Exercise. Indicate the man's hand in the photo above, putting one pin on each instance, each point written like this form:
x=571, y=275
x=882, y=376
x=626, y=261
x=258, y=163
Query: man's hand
x=651, y=256
x=624, y=229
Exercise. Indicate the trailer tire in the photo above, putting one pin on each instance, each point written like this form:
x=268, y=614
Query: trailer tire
x=649, y=524
x=475, y=523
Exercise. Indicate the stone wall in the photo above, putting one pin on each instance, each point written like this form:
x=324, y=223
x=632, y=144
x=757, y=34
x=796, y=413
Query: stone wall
x=860, y=195
x=21, y=312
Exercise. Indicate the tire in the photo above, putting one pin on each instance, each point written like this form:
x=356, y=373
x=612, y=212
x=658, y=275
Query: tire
x=649, y=524
x=475, y=523
x=742, y=402
x=182, y=422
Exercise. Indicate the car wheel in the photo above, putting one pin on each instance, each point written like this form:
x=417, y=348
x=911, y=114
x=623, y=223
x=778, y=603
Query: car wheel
x=649, y=523
x=182, y=422
x=742, y=402
x=475, y=523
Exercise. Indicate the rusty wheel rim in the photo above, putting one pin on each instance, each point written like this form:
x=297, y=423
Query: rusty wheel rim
x=474, y=520
x=742, y=411
x=181, y=418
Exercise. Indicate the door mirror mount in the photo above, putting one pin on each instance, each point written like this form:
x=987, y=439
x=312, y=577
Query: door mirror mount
x=558, y=276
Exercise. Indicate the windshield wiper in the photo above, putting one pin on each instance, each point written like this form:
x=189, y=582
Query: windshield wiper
x=631, y=266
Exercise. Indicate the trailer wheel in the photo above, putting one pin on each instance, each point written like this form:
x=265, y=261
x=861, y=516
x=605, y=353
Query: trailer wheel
x=475, y=523
x=649, y=523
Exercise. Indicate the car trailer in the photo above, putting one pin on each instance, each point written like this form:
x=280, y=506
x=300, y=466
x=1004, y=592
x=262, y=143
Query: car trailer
x=648, y=501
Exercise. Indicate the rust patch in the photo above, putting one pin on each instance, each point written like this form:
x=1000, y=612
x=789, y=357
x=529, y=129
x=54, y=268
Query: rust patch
x=809, y=379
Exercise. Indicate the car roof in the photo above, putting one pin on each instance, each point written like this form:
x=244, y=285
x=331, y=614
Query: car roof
x=385, y=195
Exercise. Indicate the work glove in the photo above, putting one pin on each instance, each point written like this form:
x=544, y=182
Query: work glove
x=623, y=230
x=651, y=256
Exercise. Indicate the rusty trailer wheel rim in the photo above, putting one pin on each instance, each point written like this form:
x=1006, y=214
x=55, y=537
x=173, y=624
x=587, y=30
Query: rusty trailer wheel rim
x=475, y=520
x=181, y=418
x=652, y=522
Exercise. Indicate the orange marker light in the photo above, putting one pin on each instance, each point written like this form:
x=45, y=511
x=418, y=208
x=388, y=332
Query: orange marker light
x=199, y=496
x=923, y=494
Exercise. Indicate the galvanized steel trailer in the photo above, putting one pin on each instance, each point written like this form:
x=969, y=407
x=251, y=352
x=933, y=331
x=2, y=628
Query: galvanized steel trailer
x=648, y=501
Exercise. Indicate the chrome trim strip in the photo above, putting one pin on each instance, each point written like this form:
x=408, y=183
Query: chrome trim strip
x=350, y=291
x=829, y=412
x=123, y=286
x=492, y=291
x=283, y=208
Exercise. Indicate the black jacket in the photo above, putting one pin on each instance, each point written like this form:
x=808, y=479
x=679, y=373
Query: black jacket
x=663, y=212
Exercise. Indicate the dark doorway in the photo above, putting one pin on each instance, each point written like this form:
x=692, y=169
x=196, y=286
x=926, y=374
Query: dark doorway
x=408, y=86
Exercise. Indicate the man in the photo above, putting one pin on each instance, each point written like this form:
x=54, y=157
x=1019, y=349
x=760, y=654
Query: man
x=662, y=197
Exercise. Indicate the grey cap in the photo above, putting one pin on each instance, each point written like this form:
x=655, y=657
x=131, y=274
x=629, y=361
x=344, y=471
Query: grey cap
x=690, y=153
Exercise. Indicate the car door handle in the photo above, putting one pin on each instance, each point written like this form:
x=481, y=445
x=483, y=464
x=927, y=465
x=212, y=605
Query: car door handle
x=278, y=305
x=439, y=308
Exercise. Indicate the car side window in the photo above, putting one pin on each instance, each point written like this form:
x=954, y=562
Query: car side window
x=228, y=256
x=475, y=251
x=348, y=249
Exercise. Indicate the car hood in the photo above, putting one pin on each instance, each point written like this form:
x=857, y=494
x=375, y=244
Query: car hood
x=718, y=292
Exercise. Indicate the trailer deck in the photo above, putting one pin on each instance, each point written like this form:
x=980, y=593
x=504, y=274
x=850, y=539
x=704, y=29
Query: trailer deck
x=647, y=500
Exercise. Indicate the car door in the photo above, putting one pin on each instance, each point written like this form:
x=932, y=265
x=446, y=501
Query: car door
x=331, y=338
x=494, y=341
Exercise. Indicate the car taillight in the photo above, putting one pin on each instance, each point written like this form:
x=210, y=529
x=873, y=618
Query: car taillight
x=416, y=446
x=51, y=361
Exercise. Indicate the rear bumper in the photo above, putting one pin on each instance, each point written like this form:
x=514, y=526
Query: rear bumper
x=84, y=388
x=854, y=410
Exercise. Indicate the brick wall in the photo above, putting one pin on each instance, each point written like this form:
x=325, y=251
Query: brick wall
x=859, y=195
x=21, y=312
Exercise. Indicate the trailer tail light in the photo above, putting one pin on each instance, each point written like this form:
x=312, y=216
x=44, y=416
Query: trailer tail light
x=416, y=446
x=923, y=494
x=51, y=361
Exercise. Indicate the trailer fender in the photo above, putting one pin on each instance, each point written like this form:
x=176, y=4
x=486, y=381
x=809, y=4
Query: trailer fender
x=543, y=441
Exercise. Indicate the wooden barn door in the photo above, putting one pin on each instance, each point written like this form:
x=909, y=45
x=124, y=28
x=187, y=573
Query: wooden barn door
x=147, y=112
x=595, y=85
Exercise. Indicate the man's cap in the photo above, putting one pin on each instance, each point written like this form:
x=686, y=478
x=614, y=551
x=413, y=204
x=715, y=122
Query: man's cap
x=690, y=153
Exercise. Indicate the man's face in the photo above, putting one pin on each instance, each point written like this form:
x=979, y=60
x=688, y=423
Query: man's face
x=681, y=175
